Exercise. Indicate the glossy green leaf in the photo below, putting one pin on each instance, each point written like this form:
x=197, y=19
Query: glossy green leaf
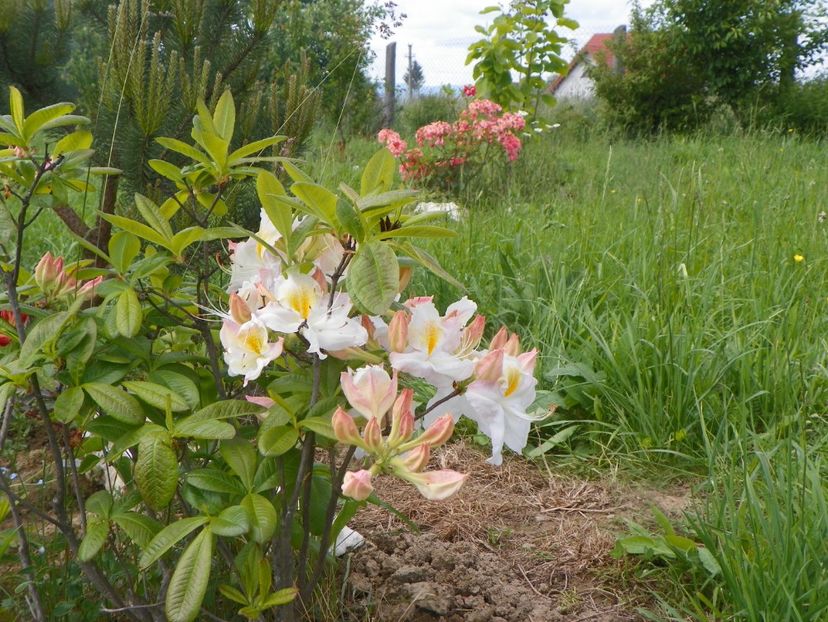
x=378, y=174
x=224, y=118
x=16, y=108
x=256, y=147
x=276, y=441
x=282, y=597
x=97, y=530
x=374, y=277
x=189, y=581
x=75, y=141
x=156, y=470
x=139, y=229
x=156, y=395
x=44, y=331
x=319, y=425
x=320, y=200
x=271, y=194
x=116, y=403
x=215, y=480
x=168, y=537
x=68, y=404
x=184, y=149
x=100, y=503
x=152, y=216
x=262, y=517
x=128, y=313
x=139, y=528
x=35, y=121
x=206, y=430
x=232, y=521
x=123, y=249
x=241, y=457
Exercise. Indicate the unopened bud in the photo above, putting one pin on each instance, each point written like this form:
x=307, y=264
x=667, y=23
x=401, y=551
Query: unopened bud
x=490, y=368
x=372, y=435
x=239, y=310
x=398, y=332
x=345, y=428
x=357, y=485
x=500, y=339
x=417, y=459
x=87, y=290
x=512, y=347
x=402, y=418
x=437, y=433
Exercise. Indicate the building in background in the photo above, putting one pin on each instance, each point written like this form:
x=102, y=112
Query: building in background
x=576, y=82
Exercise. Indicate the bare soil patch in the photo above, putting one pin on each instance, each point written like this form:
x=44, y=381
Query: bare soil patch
x=514, y=545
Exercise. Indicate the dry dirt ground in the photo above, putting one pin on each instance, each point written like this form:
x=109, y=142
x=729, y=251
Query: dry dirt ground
x=516, y=544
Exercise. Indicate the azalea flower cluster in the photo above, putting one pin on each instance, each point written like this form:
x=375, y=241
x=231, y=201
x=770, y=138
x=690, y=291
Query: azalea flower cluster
x=271, y=299
x=267, y=296
x=443, y=148
x=55, y=282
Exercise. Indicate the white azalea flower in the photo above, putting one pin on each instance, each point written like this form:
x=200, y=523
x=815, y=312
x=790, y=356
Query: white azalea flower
x=301, y=306
x=247, y=350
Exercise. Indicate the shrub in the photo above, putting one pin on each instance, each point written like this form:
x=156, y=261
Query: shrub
x=427, y=109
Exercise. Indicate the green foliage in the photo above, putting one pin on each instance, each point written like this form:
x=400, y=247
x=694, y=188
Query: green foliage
x=426, y=109
x=684, y=60
x=521, y=40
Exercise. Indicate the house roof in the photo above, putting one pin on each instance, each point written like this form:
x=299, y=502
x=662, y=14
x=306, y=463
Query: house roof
x=596, y=45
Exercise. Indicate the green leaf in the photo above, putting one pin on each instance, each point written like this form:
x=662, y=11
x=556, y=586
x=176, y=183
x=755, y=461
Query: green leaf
x=556, y=439
x=181, y=383
x=100, y=503
x=184, y=149
x=185, y=238
x=282, y=597
x=254, y=147
x=319, y=425
x=224, y=119
x=116, y=403
x=241, y=457
x=165, y=539
x=39, y=118
x=128, y=313
x=429, y=263
x=229, y=409
x=709, y=562
x=156, y=395
x=352, y=220
x=374, y=277
x=188, y=584
x=96, y=532
x=139, y=229
x=232, y=522
x=262, y=517
x=152, y=215
x=276, y=441
x=168, y=170
x=138, y=528
x=231, y=593
x=418, y=231
x=156, y=470
x=73, y=142
x=68, y=404
x=207, y=430
x=320, y=200
x=45, y=331
x=378, y=174
x=6, y=393
x=16, y=108
x=123, y=248
x=215, y=480
x=271, y=192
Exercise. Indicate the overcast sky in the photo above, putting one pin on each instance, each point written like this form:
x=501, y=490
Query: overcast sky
x=440, y=32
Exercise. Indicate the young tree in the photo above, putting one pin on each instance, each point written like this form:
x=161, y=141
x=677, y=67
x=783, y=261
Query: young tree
x=414, y=78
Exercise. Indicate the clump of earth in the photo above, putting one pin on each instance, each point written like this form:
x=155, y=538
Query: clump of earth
x=516, y=544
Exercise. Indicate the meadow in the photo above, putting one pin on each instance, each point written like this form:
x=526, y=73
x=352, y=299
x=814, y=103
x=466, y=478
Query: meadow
x=676, y=289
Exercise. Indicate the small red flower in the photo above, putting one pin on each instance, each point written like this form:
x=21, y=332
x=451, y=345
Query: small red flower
x=470, y=90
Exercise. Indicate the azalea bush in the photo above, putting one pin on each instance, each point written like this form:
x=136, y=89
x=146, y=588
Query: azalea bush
x=448, y=154
x=238, y=390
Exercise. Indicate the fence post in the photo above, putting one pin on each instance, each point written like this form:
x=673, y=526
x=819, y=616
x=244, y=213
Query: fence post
x=390, y=82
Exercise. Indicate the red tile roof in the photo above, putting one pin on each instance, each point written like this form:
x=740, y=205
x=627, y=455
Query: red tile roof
x=597, y=45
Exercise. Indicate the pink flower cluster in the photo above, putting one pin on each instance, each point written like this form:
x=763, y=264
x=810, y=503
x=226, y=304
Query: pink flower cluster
x=470, y=90
x=444, y=148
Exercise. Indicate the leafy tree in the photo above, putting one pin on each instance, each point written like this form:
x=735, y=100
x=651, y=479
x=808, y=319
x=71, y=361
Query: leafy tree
x=414, y=78
x=521, y=41
x=685, y=58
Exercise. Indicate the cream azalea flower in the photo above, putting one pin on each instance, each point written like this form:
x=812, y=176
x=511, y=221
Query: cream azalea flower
x=436, y=348
x=301, y=306
x=247, y=349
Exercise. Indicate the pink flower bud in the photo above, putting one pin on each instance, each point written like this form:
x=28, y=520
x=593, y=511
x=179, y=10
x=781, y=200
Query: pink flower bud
x=239, y=310
x=87, y=290
x=402, y=418
x=372, y=436
x=398, y=331
x=357, y=485
x=345, y=428
x=405, y=277
x=47, y=272
x=435, y=435
x=527, y=360
x=500, y=339
x=368, y=325
x=512, y=347
x=433, y=485
x=370, y=390
x=473, y=333
x=490, y=367
x=417, y=459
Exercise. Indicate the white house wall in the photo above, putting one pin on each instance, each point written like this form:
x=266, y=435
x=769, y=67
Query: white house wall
x=576, y=84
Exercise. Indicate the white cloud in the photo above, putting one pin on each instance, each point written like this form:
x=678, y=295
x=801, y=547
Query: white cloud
x=440, y=32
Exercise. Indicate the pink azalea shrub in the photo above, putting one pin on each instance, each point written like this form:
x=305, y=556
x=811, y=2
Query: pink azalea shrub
x=445, y=152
